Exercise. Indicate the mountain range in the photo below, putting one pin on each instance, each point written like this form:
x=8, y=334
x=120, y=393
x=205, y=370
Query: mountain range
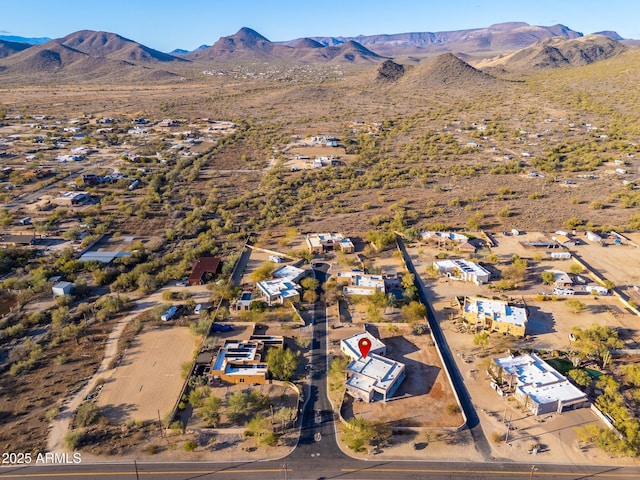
x=98, y=56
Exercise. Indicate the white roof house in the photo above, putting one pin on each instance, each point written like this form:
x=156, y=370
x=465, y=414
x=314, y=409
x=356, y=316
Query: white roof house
x=441, y=236
x=288, y=272
x=349, y=345
x=463, y=270
x=362, y=284
x=282, y=287
x=278, y=291
x=322, y=242
x=374, y=377
x=538, y=386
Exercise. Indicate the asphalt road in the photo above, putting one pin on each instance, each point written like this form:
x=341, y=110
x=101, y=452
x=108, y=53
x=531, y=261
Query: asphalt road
x=317, y=455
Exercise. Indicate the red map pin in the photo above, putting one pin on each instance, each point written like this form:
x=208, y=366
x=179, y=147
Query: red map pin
x=364, y=345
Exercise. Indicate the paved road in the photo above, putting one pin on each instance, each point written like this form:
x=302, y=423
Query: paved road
x=313, y=468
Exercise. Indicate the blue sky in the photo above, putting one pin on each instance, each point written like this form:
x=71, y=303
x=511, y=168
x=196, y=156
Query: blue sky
x=165, y=24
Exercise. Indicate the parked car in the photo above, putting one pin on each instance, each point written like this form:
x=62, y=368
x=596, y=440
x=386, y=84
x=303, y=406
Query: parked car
x=181, y=284
x=218, y=327
x=198, y=309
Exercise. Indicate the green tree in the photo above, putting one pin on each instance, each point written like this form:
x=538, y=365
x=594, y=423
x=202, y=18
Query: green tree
x=580, y=377
x=237, y=405
x=547, y=278
x=198, y=395
x=263, y=272
x=576, y=305
x=360, y=433
x=576, y=269
x=209, y=412
x=282, y=363
x=310, y=296
x=146, y=283
x=73, y=440
x=414, y=312
x=309, y=283
x=260, y=428
x=596, y=341
x=481, y=340
x=631, y=374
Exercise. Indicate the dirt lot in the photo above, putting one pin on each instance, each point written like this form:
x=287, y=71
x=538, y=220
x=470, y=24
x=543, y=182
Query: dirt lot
x=426, y=382
x=618, y=263
x=148, y=379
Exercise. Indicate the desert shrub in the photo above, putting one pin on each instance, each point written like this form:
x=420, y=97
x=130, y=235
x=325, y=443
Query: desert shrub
x=453, y=408
x=88, y=413
x=190, y=446
x=73, y=440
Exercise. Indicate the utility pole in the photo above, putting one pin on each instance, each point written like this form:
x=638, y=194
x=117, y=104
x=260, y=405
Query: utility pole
x=161, y=426
x=135, y=464
x=533, y=469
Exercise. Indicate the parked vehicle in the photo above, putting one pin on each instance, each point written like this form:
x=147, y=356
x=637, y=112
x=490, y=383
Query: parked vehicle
x=563, y=291
x=198, y=309
x=169, y=314
x=218, y=327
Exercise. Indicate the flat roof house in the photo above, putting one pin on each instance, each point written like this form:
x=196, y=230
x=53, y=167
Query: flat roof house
x=495, y=315
x=239, y=361
x=537, y=385
x=349, y=345
x=278, y=291
x=324, y=242
x=282, y=287
x=463, y=270
x=374, y=377
x=362, y=284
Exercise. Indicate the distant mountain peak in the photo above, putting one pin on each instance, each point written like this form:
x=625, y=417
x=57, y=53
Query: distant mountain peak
x=114, y=46
x=558, y=52
x=611, y=34
x=249, y=36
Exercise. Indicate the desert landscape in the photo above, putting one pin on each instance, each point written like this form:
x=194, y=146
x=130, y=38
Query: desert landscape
x=157, y=212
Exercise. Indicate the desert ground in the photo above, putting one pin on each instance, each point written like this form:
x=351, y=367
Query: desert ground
x=147, y=380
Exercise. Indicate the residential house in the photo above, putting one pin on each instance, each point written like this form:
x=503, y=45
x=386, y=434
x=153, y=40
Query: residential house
x=72, y=198
x=463, y=270
x=561, y=279
x=204, y=268
x=374, y=377
x=362, y=284
x=283, y=287
x=349, y=346
x=495, y=315
x=324, y=242
x=535, y=384
x=240, y=361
